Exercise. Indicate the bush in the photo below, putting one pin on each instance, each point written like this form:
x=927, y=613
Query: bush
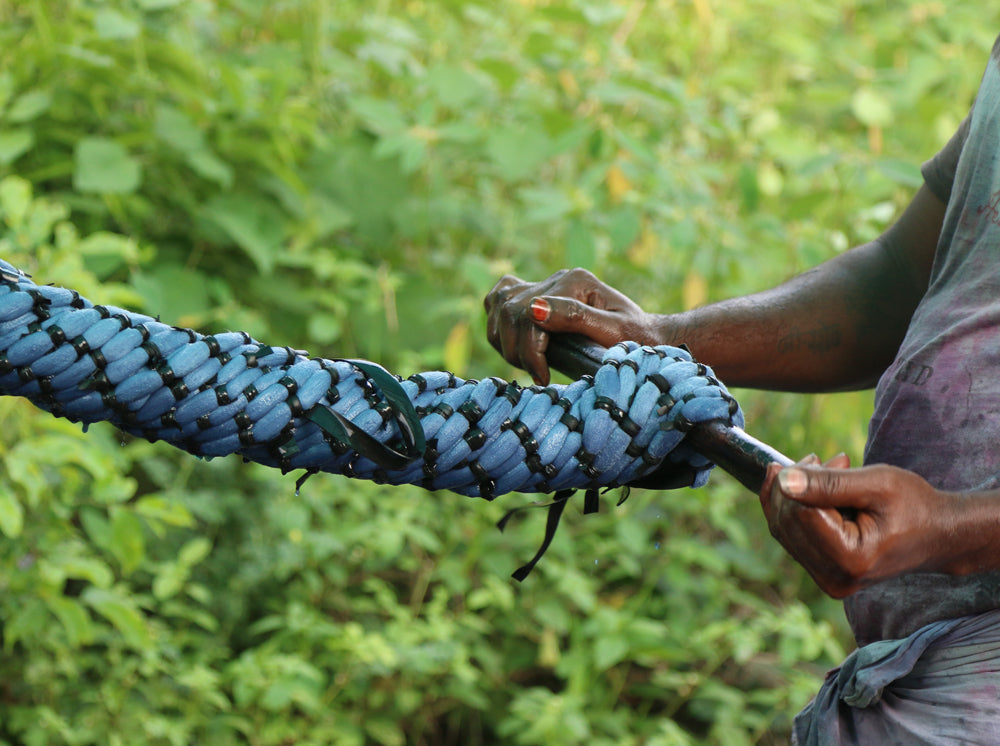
x=352, y=179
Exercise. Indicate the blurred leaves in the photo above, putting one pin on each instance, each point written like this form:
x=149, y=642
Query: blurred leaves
x=105, y=166
x=351, y=179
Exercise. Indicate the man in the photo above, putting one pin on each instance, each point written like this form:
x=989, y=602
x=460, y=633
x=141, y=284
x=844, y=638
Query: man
x=911, y=540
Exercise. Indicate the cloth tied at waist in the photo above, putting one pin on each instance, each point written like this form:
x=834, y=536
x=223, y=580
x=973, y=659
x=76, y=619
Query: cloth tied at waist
x=940, y=685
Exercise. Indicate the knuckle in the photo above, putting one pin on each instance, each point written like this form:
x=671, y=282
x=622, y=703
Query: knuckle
x=856, y=568
x=580, y=275
x=573, y=312
x=511, y=310
x=503, y=287
x=838, y=591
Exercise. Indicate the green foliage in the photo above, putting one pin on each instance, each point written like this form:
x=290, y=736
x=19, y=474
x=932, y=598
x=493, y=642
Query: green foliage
x=351, y=178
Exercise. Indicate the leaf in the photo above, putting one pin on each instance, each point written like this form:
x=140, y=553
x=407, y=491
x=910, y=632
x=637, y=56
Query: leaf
x=127, y=543
x=122, y=613
x=84, y=568
x=289, y=690
x=545, y=203
x=872, y=108
x=110, y=24
x=749, y=189
x=15, y=143
x=166, y=511
x=324, y=327
x=581, y=248
x=457, y=348
x=28, y=620
x=643, y=251
x=158, y=4
x=517, y=152
x=770, y=180
x=96, y=525
x=177, y=129
x=111, y=249
x=205, y=163
x=255, y=226
x=28, y=106
x=900, y=171
x=384, y=731
x=329, y=216
x=609, y=650
x=7, y=84
x=618, y=184
x=15, y=200
x=194, y=551
x=169, y=580
x=412, y=151
x=624, y=227
x=74, y=619
x=173, y=291
x=694, y=292
x=453, y=86
x=104, y=166
x=11, y=513
x=381, y=115
x=503, y=72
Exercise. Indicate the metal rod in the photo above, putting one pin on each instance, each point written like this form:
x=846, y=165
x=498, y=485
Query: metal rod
x=729, y=448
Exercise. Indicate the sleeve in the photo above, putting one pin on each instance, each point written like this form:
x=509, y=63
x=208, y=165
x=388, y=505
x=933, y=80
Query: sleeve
x=939, y=171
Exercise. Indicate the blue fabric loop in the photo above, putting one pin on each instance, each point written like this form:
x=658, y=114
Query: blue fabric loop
x=29, y=348
x=272, y=423
x=14, y=305
x=185, y=359
x=139, y=386
x=54, y=362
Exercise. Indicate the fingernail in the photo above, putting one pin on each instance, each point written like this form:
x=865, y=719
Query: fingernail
x=793, y=482
x=540, y=309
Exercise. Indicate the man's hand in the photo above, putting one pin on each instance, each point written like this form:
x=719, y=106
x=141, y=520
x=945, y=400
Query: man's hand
x=850, y=528
x=520, y=316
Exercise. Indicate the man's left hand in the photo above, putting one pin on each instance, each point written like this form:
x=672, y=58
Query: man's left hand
x=848, y=527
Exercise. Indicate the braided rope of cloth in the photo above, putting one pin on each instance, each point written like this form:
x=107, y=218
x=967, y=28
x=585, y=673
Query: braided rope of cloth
x=220, y=394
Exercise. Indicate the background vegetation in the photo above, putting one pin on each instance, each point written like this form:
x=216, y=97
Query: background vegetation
x=351, y=178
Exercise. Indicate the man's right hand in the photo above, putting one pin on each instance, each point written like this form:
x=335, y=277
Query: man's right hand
x=520, y=316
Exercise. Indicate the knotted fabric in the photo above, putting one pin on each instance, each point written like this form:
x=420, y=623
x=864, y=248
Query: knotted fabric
x=226, y=393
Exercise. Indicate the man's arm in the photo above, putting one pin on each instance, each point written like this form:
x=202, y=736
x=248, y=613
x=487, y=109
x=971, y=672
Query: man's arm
x=837, y=326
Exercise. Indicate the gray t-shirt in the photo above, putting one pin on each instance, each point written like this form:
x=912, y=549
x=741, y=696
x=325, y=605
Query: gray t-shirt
x=937, y=407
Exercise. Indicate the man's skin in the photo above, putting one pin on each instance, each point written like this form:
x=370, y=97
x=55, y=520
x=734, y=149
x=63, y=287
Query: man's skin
x=836, y=327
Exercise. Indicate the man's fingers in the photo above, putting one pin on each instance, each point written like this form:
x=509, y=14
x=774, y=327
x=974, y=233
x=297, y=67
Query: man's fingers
x=840, y=461
x=566, y=315
x=765, y=490
x=832, y=486
x=531, y=354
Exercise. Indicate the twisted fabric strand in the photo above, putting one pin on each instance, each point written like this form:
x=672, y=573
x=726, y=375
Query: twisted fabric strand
x=220, y=394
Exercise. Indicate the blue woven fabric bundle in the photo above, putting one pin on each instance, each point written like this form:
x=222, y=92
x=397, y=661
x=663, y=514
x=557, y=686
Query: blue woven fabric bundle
x=220, y=394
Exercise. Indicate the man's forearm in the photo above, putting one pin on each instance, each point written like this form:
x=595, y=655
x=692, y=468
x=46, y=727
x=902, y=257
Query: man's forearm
x=967, y=538
x=835, y=327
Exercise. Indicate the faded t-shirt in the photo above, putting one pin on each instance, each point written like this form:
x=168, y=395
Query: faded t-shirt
x=937, y=407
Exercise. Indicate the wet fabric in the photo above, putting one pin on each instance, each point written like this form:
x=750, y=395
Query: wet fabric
x=928, y=667
x=940, y=686
x=937, y=407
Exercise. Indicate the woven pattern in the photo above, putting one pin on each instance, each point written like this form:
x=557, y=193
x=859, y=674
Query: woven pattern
x=214, y=395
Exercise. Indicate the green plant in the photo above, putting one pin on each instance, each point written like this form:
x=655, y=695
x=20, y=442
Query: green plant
x=351, y=178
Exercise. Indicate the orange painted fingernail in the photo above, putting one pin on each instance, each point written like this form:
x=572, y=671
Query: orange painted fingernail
x=540, y=309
